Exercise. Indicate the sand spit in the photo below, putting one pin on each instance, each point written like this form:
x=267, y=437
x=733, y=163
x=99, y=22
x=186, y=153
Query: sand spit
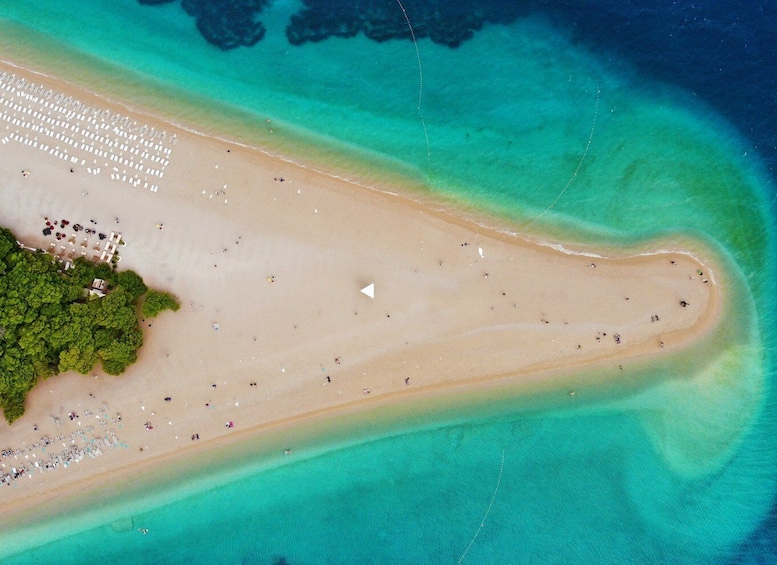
x=268, y=260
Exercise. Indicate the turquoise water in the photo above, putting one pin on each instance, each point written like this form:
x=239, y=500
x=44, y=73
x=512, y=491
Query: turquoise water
x=557, y=140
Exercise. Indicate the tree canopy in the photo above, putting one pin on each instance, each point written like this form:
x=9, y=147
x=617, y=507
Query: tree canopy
x=156, y=302
x=50, y=323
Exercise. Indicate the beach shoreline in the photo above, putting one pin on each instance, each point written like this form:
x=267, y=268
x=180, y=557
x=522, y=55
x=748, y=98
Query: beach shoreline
x=450, y=303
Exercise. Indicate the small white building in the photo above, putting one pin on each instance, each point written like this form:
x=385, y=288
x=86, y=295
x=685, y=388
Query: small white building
x=99, y=288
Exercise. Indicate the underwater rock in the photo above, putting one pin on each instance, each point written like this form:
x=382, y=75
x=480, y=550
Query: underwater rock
x=227, y=24
x=443, y=22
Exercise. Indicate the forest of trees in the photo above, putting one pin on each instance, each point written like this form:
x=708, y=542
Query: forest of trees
x=50, y=323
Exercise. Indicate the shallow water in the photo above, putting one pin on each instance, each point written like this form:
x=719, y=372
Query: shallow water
x=560, y=140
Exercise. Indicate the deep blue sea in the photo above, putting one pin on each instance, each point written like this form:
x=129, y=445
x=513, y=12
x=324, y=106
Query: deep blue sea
x=596, y=121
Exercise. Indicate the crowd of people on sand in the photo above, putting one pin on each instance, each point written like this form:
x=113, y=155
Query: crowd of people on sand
x=80, y=134
x=54, y=451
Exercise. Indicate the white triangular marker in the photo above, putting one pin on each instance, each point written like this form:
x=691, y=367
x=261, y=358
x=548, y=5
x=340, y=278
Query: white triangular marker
x=369, y=290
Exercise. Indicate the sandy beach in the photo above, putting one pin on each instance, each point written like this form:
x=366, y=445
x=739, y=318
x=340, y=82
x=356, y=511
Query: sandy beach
x=268, y=260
